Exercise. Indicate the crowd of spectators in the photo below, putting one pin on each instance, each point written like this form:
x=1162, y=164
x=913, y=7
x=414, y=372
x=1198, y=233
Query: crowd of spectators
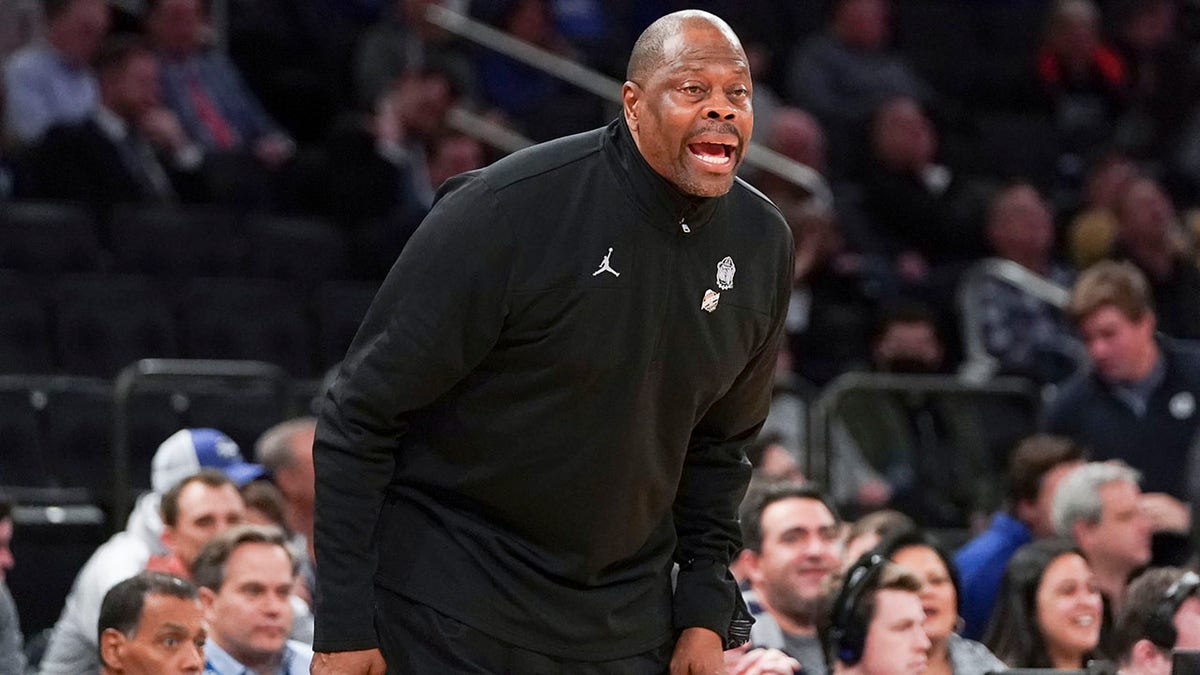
x=1062, y=136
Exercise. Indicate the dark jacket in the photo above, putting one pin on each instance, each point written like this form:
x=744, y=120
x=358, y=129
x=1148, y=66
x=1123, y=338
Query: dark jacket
x=1159, y=443
x=78, y=162
x=539, y=436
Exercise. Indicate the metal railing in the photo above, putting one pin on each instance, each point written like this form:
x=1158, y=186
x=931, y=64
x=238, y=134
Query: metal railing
x=179, y=372
x=979, y=364
x=607, y=88
x=823, y=412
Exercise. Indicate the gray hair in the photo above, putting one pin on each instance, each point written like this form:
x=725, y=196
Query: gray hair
x=273, y=449
x=1078, y=494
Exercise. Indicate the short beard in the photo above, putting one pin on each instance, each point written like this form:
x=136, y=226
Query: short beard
x=784, y=599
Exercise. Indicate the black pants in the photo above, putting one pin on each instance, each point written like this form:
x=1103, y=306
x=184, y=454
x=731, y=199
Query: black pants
x=417, y=640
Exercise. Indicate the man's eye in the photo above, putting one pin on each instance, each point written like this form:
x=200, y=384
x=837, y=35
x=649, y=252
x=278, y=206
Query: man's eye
x=740, y=93
x=170, y=642
x=693, y=89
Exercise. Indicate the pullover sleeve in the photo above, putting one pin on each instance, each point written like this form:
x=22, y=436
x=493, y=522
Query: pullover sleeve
x=436, y=316
x=715, y=475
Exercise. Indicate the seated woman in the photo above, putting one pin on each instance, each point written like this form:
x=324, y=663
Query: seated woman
x=949, y=653
x=1048, y=610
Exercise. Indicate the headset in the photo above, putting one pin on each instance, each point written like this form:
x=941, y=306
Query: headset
x=848, y=630
x=1160, y=626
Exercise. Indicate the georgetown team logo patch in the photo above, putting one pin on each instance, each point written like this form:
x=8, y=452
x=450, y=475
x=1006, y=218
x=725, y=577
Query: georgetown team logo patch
x=725, y=271
x=711, y=298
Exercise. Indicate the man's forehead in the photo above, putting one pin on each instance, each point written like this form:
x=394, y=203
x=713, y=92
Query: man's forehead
x=700, y=45
x=165, y=612
x=798, y=512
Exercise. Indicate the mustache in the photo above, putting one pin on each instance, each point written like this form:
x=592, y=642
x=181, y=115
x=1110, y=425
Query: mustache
x=718, y=128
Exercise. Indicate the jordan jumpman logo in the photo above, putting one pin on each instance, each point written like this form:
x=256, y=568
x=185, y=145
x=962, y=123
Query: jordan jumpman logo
x=605, y=267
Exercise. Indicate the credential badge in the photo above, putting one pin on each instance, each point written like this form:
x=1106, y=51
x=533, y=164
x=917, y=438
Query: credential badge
x=711, y=298
x=1182, y=405
x=725, y=270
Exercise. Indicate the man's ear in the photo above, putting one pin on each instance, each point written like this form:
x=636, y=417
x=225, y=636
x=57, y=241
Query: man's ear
x=1144, y=653
x=1081, y=532
x=112, y=644
x=749, y=560
x=1026, y=510
x=631, y=96
x=168, y=537
x=207, y=597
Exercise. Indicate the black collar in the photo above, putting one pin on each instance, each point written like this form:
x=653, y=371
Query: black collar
x=660, y=201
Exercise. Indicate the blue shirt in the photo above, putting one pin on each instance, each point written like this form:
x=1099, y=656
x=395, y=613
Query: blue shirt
x=41, y=90
x=981, y=564
x=296, y=658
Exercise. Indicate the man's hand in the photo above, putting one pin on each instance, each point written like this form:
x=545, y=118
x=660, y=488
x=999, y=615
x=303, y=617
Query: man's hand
x=163, y=129
x=1165, y=513
x=765, y=662
x=363, y=662
x=698, y=652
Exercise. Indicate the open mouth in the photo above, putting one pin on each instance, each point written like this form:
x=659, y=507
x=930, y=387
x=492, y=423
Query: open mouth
x=716, y=154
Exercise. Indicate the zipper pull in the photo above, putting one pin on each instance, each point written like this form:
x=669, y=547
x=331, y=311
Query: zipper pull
x=684, y=226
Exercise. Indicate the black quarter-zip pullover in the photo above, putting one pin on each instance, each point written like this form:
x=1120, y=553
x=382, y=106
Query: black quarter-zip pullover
x=549, y=401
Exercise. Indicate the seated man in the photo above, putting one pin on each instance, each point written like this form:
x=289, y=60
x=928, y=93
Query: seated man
x=151, y=624
x=792, y=535
x=1161, y=613
x=72, y=646
x=246, y=575
x=1100, y=507
x=193, y=512
x=49, y=81
x=873, y=625
x=1036, y=466
x=129, y=149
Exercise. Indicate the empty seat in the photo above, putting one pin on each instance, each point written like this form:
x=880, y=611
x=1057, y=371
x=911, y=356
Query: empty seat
x=22, y=460
x=25, y=344
x=53, y=542
x=48, y=238
x=296, y=249
x=104, y=323
x=242, y=409
x=1018, y=145
x=176, y=241
x=340, y=308
x=247, y=319
x=152, y=415
x=78, y=435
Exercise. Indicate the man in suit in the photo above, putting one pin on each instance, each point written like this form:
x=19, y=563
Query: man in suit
x=131, y=149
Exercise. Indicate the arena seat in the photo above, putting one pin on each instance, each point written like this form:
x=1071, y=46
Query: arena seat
x=340, y=307
x=106, y=322
x=247, y=319
x=174, y=241
x=78, y=435
x=25, y=344
x=303, y=250
x=22, y=461
x=48, y=238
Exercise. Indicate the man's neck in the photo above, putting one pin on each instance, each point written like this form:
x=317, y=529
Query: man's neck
x=788, y=623
x=1111, y=581
x=260, y=664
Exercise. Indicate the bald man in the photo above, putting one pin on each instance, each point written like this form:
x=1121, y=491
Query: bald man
x=549, y=401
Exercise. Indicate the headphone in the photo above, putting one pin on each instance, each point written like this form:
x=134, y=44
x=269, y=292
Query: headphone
x=1160, y=627
x=848, y=630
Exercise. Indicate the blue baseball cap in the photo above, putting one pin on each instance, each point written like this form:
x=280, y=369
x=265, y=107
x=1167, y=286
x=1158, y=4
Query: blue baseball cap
x=188, y=451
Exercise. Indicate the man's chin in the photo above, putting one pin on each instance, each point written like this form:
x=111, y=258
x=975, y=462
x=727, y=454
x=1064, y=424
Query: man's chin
x=707, y=186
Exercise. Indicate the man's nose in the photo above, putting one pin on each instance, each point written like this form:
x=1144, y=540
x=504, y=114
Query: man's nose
x=721, y=113
x=193, y=659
